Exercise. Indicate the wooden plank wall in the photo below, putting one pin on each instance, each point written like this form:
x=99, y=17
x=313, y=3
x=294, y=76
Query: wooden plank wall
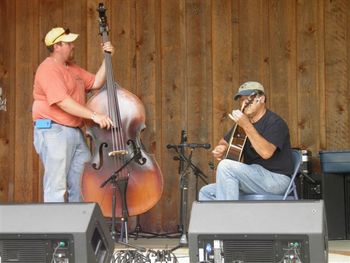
x=184, y=59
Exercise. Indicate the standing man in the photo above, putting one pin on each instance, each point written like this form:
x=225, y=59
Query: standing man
x=60, y=88
x=267, y=153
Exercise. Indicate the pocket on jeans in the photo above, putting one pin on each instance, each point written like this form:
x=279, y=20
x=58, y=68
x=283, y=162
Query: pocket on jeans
x=54, y=132
x=38, y=141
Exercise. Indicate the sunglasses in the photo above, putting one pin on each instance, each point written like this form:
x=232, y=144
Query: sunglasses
x=66, y=32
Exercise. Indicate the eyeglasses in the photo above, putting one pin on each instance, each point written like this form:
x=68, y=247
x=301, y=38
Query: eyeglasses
x=66, y=32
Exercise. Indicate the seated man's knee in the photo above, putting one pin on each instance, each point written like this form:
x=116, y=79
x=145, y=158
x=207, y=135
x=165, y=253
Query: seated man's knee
x=207, y=192
x=227, y=167
x=201, y=195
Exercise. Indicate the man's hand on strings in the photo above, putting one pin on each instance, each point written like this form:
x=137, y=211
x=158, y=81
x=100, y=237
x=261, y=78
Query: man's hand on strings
x=103, y=120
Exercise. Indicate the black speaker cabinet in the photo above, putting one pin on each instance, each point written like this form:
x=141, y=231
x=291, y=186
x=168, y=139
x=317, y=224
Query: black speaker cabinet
x=54, y=232
x=258, y=231
x=335, y=202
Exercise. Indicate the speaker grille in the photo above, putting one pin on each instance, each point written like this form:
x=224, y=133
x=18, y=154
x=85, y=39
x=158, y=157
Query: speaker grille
x=21, y=250
x=258, y=251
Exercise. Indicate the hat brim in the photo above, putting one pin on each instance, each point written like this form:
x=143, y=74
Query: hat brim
x=243, y=93
x=67, y=38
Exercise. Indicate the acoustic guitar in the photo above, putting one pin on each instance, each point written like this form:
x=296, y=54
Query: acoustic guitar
x=238, y=137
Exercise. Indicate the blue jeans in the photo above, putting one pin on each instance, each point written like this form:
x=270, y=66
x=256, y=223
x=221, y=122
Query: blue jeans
x=63, y=152
x=233, y=177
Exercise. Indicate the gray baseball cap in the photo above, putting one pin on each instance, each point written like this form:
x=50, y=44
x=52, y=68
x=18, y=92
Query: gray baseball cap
x=248, y=88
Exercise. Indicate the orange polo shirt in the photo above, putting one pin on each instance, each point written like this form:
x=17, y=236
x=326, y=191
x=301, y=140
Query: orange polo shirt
x=53, y=83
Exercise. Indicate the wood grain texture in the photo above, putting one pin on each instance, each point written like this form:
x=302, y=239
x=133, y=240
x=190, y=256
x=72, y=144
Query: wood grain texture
x=282, y=63
x=26, y=181
x=7, y=82
x=222, y=76
x=146, y=61
x=185, y=60
x=174, y=101
x=199, y=90
x=337, y=73
x=308, y=124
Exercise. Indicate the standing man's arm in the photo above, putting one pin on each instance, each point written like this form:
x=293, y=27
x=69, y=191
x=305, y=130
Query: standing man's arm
x=74, y=108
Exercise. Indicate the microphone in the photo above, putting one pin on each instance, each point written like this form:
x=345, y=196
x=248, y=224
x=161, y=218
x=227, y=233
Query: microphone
x=189, y=145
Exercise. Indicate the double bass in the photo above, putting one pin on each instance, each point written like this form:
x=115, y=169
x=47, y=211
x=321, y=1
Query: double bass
x=119, y=152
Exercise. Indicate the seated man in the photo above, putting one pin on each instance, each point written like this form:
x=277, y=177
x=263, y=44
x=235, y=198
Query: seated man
x=267, y=152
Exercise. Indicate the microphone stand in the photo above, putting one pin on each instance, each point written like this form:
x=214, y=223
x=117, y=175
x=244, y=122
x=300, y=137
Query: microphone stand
x=184, y=188
x=198, y=172
x=113, y=179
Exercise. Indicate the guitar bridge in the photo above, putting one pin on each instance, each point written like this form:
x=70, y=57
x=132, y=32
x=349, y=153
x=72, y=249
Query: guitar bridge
x=118, y=152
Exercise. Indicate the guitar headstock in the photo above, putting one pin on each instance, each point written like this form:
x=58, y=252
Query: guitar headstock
x=250, y=100
x=252, y=96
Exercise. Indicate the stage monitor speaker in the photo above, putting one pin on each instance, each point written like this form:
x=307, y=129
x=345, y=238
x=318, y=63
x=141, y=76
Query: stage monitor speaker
x=54, y=232
x=258, y=231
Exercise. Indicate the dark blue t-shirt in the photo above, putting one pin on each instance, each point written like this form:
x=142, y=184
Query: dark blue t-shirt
x=275, y=130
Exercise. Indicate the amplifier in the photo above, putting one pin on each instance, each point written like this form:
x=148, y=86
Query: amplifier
x=54, y=232
x=258, y=231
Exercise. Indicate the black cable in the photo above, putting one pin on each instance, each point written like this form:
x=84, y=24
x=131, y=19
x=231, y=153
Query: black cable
x=135, y=256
